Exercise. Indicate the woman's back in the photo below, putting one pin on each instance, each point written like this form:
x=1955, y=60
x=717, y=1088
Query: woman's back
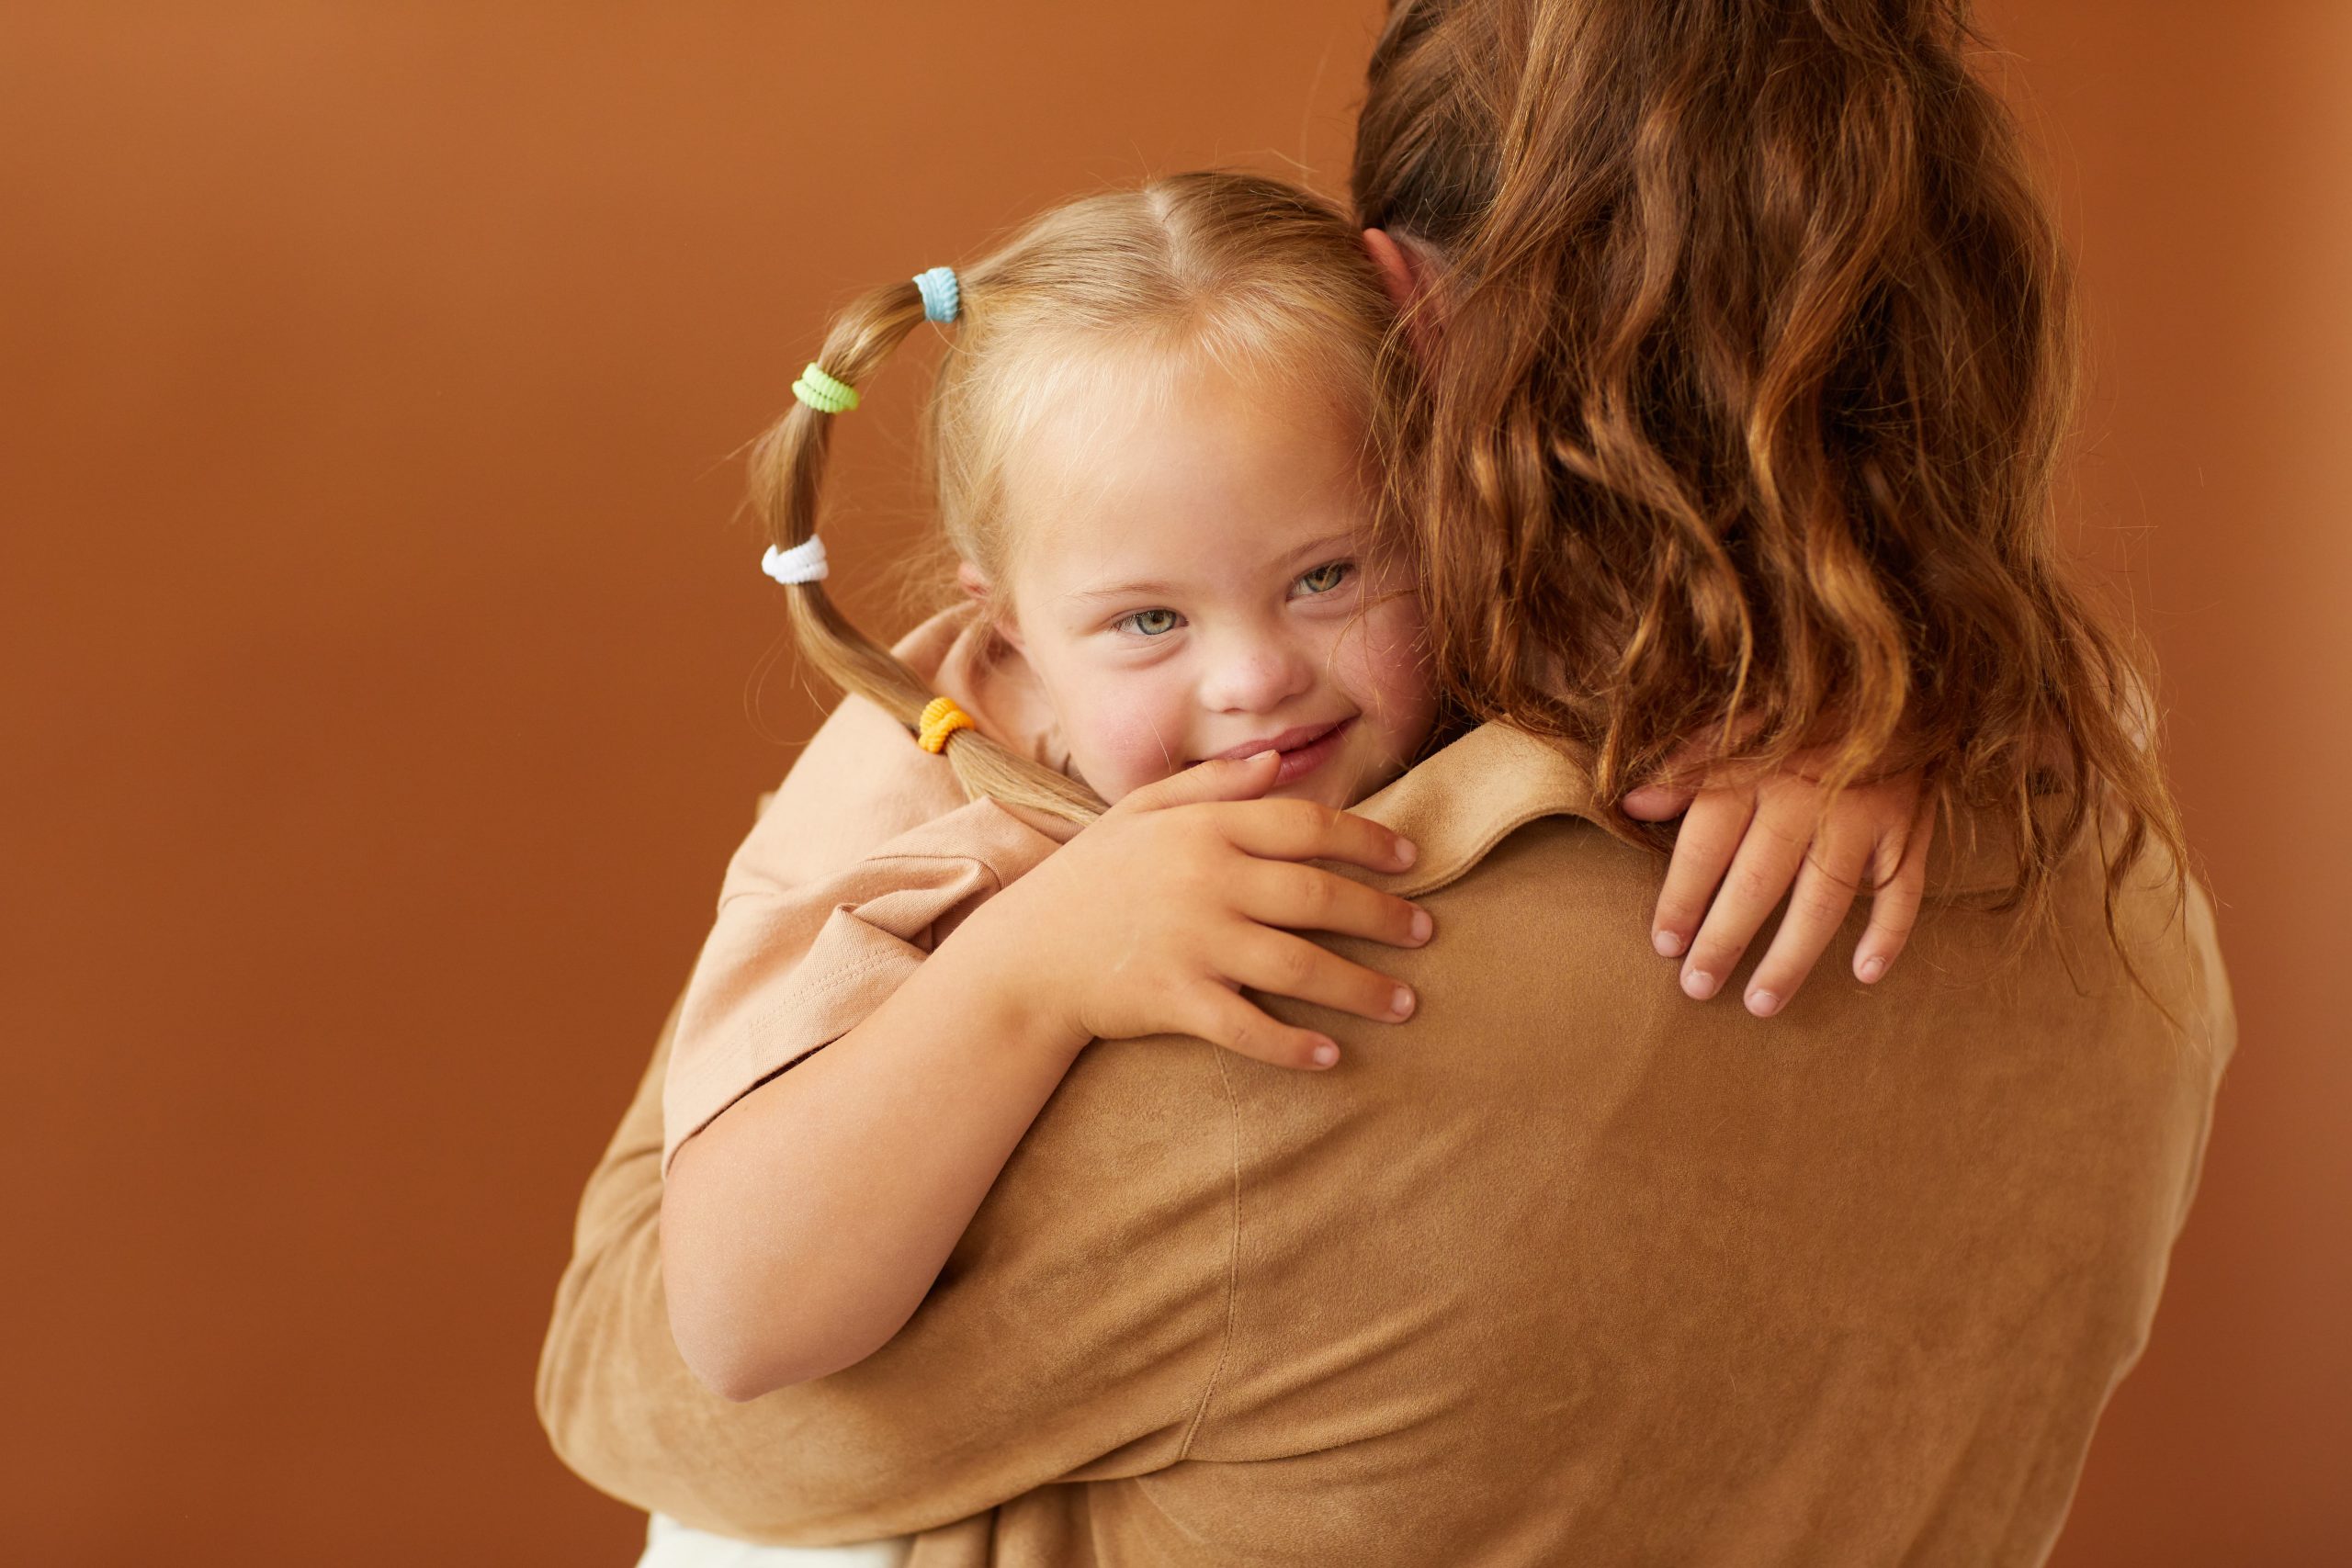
x=1579, y=1270
x=1563, y=1265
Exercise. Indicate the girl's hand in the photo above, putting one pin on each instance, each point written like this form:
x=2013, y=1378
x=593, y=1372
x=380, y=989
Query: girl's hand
x=1155, y=916
x=1747, y=845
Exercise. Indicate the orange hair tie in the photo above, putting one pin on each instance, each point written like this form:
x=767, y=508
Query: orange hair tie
x=941, y=718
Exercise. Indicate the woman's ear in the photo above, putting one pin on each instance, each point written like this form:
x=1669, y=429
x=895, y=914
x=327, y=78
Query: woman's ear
x=1407, y=273
x=976, y=588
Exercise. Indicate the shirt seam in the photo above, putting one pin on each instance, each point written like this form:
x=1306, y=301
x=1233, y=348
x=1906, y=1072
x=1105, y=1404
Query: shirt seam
x=1232, y=1270
x=785, y=894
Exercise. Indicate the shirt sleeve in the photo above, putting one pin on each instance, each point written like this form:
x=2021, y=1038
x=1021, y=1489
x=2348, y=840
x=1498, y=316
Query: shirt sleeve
x=862, y=860
x=791, y=964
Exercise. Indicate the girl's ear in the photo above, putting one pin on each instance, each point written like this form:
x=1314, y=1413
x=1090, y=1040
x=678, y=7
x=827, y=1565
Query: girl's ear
x=976, y=588
x=1406, y=272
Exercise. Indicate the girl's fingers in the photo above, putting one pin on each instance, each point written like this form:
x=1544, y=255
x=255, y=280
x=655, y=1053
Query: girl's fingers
x=1285, y=966
x=1702, y=851
x=1234, y=778
x=1657, y=803
x=1300, y=829
x=1217, y=1015
x=1762, y=871
x=1894, y=905
x=1309, y=898
x=1825, y=890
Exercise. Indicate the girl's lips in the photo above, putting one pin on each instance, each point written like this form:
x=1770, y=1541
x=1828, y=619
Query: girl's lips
x=1296, y=764
x=1290, y=739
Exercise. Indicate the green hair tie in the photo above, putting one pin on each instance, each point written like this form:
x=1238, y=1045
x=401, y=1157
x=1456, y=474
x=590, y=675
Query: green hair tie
x=826, y=394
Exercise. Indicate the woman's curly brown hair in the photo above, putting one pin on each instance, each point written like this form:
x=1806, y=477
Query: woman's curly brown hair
x=1755, y=354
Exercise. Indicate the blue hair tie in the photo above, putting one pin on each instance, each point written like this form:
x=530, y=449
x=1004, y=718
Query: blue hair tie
x=942, y=297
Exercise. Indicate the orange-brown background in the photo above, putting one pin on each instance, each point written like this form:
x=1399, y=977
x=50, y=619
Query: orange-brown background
x=380, y=653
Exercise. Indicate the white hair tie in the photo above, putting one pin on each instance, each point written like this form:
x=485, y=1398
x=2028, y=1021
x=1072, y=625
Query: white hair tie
x=805, y=562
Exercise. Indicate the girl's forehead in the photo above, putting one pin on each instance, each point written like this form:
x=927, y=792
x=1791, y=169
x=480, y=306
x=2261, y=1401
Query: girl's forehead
x=1206, y=471
x=1190, y=417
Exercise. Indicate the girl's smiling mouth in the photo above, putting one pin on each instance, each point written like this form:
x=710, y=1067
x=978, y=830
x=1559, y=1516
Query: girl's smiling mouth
x=1304, y=747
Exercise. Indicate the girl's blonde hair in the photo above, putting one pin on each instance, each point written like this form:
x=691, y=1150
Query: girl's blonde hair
x=1236, y=270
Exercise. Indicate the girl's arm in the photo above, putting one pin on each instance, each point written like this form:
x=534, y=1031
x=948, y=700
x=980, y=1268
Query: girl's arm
x=802, y=1227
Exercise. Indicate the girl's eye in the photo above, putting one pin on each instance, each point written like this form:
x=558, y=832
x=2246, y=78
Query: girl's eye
x=1150, y=623
x=1327, y=577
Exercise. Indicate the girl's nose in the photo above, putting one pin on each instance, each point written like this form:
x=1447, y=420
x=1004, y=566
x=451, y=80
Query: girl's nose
x=1257, y=675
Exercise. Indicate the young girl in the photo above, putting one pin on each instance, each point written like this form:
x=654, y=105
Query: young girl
x=1085, y=803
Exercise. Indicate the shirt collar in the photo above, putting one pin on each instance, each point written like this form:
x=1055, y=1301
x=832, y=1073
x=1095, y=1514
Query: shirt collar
x=1459, y=804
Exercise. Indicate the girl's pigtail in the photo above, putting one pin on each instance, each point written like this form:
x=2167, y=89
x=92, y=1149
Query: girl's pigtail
x=787, y=470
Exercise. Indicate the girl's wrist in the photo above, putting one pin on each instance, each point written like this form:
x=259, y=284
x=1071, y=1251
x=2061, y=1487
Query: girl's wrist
x=1003, y=990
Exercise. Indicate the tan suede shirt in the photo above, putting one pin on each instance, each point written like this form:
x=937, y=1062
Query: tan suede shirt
x=1567, y=1268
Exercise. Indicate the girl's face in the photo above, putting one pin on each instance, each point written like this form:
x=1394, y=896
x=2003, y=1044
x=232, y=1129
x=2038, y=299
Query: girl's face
x=1193, y=577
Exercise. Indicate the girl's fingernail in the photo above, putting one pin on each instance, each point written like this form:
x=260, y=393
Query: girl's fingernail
x=1670, y=944
x=1421, y=926
x=1402, y=1003
x=1763, y=1004
x=1871, y=968
x=1697, y=985
x=1407, y=852
x=1325, y=1053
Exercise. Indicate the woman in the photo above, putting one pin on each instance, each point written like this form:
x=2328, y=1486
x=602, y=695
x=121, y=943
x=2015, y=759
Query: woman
x=1746, y=359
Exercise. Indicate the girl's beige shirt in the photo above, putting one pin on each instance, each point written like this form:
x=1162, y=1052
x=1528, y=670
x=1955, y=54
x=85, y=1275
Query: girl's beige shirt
x=859, y=863
x=1565, y=1269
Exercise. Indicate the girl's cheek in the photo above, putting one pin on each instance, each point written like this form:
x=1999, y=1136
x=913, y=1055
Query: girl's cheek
x=1123, y=740
x=1384, y=661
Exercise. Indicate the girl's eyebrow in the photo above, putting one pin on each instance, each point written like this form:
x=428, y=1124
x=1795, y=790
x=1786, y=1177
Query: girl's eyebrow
x=1348, y=538
x=1123, y=590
